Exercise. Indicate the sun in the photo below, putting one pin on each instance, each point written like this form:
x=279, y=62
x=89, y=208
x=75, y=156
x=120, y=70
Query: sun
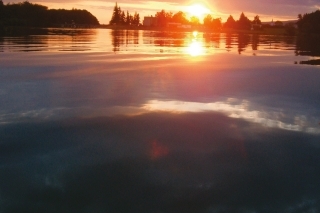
x=197, y=10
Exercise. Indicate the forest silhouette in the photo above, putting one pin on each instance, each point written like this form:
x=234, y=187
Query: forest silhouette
x=307, y=23
x=26, y=14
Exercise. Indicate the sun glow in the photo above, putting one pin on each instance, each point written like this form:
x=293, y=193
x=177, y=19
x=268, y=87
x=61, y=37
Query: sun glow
x=195, y=48
x=197, y=10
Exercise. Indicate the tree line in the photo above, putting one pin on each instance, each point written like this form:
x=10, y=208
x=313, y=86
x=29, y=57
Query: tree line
x=309, y=22
x=163, y=18
x=306, y=23
x=119, y=17
x=26, y=14
x=242, y=23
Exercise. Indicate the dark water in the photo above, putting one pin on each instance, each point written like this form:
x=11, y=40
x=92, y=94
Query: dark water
x=144, y=121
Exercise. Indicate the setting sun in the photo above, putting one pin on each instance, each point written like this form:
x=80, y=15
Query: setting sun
x=197, y=10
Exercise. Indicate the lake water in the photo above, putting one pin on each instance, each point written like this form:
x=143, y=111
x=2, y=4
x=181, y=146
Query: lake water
x=148, y=121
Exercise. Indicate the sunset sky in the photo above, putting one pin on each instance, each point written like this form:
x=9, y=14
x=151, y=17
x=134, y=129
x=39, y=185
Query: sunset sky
x=266, y=9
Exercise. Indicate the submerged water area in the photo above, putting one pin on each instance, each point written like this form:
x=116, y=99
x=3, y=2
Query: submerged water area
x=147, y=121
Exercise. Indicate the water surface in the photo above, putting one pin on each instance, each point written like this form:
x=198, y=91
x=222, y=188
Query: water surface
x=152, y=121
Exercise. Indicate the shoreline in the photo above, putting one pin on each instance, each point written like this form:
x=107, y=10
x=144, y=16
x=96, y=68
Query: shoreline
x=265, y=31
x=25, y=31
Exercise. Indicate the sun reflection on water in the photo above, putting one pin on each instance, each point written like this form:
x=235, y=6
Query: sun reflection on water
x=195, y=33
x=195, y=47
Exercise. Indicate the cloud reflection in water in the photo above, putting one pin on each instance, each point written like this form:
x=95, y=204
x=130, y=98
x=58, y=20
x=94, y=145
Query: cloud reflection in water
x=240, y=109
x=270, y=117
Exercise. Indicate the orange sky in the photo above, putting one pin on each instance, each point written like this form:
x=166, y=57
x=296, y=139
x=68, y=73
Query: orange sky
x=267, y=10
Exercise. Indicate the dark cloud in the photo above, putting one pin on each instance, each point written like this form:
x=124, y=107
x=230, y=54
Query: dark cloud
x=158, y=162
